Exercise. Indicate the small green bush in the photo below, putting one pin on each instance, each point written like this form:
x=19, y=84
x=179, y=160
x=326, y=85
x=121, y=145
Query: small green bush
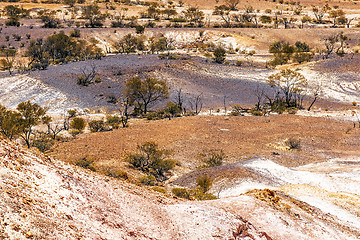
x=78, y=123
x=86, y=162
x=212, y=158
x=181, y=193
x=159, y=189
x=113, y=121
x=148, y=180
x=43, y=142
x=204, y=183
x=97, y=126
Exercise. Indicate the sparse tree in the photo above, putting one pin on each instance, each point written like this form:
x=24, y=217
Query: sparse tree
x=224, y=12
x=9, y=123
x=93, y=14
x=335, y=15
x=150, y=159
x=196, y=103
x=31, y=114
x=145, y=92
x=290, y=83
x=320, y=12
x=194, y=16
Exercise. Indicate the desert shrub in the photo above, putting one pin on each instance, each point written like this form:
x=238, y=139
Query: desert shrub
x=181, y=193
x=75, y=33
x=139, y=29
x=292, y=110
x=212, y=158
x=354, y=104
x=97, y=126
x=43, y=142
x=152, y=160
x=113, y=121
x=86, y=162
x=219, y=54
x=116, y=173
x=159, y=189
x=148, y=180
x=278, y=106
x=293, y=143
x=256, y=112
x=239, y=63
x=78, y=123
x=204, y=183
x=199, y=195
x=236, y=110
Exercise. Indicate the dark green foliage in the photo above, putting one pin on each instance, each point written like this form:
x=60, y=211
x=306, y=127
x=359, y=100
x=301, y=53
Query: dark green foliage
x=219, y=55
x=9, y=123
x=30, y=116
x=97, y=126
x=212, y=158
x=59, y=48
x=192, y=194
x=139, y=29
x=181, y=193
x=150, y=159
x=284, y=51
x=75, y=33
x=14, y=13
x=129, y=44
x=204, y=183
x=113, y=121
x=143, y=93
x=78, y=123
x=43, y=142
x=20, y=123
x=93, y=15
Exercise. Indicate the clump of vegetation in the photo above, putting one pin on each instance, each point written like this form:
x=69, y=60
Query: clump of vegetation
x=60, y=48
x=86, y=162
x=148, y=180
x=219, y=55
x=204, y=184
x=152, y=160
x=212, y=158
x=98, y=126
x=144, y=93
x=170, y=111
x=181, y=193
x=293, y=143
x=43, y=142
x=116, y=173
x=78, y=123
x=284, y=52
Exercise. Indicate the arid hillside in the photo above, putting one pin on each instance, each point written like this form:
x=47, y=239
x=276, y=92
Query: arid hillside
x=43, y=198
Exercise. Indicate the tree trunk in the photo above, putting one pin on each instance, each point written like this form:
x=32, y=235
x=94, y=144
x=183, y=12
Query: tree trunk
x=312, y=103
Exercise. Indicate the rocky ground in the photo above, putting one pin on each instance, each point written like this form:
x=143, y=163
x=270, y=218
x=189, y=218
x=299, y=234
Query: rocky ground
x=42, y=198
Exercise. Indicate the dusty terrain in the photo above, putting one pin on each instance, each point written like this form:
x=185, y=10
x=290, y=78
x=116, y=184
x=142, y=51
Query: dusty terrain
x=264, y=189
x=43, y=198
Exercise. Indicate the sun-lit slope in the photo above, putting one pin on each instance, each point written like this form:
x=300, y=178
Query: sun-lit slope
x=46, y=199
x=42, y=198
